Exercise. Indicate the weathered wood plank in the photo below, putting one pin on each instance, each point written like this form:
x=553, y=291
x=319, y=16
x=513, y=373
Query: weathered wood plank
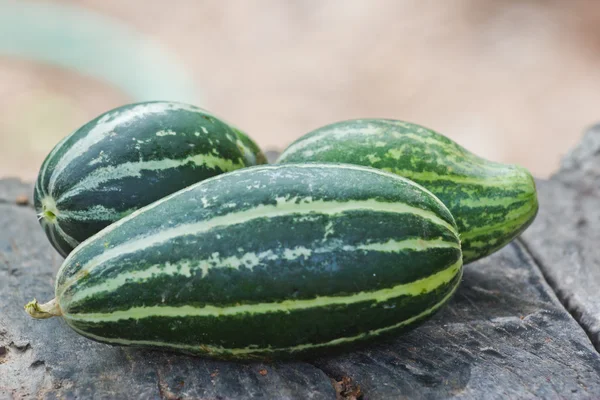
x=504, y=335
x=580, y=168
x=565, y=240
x=565, y=237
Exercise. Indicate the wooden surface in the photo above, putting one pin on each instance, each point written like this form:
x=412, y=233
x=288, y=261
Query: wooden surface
x=504, y=335
x=565, y=239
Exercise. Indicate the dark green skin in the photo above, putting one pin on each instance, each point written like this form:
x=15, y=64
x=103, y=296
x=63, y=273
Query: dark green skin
x=505, y=194
x=335, y=272
x=135, y=139
x=278, y=329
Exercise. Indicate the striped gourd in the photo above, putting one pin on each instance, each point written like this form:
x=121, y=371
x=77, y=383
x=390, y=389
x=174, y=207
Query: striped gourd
x=268, y=262
x=491, y=202
x=128, y=158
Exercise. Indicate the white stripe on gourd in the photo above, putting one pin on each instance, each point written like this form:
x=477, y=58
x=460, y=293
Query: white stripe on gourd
x=134, y=170
x=105, y=127
x=515, y=217
x=95, y=213
x=243, y=171
x=369, y=131
x=364, y=131
x=70, y=240
x=53, y=227
x=250, y=350
x=283, y=207
x=431, y=176
x=42, y=179
x=492, y=202
x=248, y=260
x=413, y=289
x=47, y=227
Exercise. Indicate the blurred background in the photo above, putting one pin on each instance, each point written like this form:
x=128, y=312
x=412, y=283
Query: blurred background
x=514, y=81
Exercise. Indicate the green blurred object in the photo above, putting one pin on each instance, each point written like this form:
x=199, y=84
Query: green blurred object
x=91, y=44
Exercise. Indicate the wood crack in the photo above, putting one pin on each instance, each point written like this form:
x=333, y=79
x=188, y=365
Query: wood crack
x=565, y=300
x=345, y=388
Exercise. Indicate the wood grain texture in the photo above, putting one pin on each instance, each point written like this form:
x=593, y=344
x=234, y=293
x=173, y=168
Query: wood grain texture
x=505, y=335
x=565, y=237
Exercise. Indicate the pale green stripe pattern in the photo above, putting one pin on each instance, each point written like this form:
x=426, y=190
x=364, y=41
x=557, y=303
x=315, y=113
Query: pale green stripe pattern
x=238, y=172
x=184, y=268
x=105, y=127
x=282, y=208
x=134, y=169
x=249, y=351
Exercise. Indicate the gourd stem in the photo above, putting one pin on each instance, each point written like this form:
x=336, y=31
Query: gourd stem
x=43, y=311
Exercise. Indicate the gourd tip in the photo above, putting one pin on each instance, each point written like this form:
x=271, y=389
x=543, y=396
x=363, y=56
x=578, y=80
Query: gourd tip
x=43, y=311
